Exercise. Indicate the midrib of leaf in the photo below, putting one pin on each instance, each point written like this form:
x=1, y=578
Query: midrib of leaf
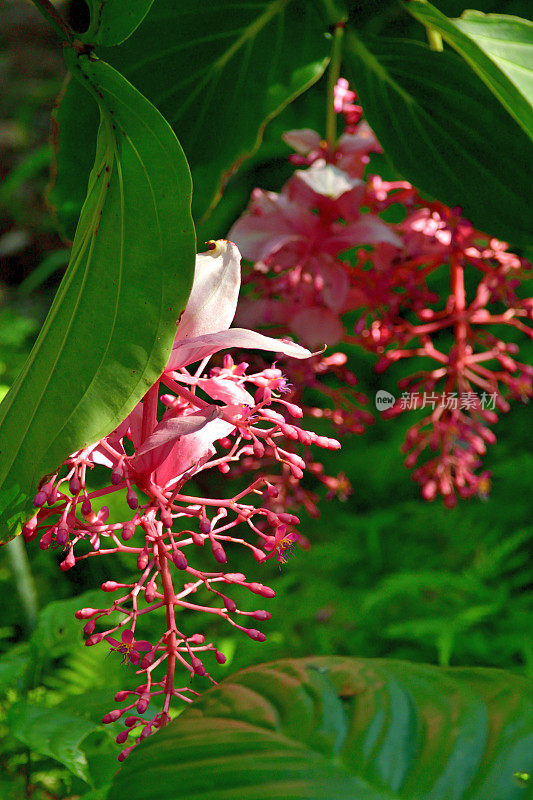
x=251, y=32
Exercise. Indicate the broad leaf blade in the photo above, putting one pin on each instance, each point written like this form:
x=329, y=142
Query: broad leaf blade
x=428, y=110
x=498, y=47
x=50, y=732
x=110, y=329
x=112, y=21
x=218, y=75
x=340, y=729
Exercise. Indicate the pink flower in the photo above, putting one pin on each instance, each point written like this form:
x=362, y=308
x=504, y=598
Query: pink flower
x=129, y=649
x=281, y=545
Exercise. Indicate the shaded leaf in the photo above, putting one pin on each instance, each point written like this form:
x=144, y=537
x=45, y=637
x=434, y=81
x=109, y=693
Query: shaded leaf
x=428, y=110
x=109, y=332
x=112, y=21
x=227, y=71
x=338, y=729
x=498, y=47
x=49, y=732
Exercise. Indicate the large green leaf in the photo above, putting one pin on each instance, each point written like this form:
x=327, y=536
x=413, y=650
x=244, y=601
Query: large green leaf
x=50, y=732
x=445, y=132
x=498, y=47
x=218, y=73
x=343, y=729
x=112, y=21
x=111, y=326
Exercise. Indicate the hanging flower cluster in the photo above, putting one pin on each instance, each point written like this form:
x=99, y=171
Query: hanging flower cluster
x=322, y=257
x=190, y=422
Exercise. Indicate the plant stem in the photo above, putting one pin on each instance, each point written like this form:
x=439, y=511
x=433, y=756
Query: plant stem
x=333, y=76
x=24, y=579
x=55, y=19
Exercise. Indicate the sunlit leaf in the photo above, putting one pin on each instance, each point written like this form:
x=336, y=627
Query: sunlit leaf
x=111, y=326
x=342, y=729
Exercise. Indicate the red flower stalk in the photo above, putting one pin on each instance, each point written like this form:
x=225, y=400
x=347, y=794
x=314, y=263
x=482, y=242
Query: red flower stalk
x=211, y=421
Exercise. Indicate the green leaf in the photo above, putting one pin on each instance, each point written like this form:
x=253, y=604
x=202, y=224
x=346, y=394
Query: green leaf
x=50, y=732
x=444, y=131
x=498, y=47
x=342, y=729
x=218, y=75
x=112, y=21
x=111, y=326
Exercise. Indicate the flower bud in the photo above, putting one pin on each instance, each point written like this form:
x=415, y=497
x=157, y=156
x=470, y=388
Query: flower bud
x=96, y=638
x=39, y=499
x=220, y=657
x=261, y=615
x=121, y=696
x=196, y=638
x=150, y=591
x=121, y=737
x=218, y=552
x=112, y=716
x=143, y=703
x=230, y=604
x=198, y=667
x=264, y=591
x=74, y=485
x=125, y=753
x=85, y=613
x=110, y=586
x=129, y=722
x=128, y=531
x=179, y=559
x=132, y=499
x=254, y=634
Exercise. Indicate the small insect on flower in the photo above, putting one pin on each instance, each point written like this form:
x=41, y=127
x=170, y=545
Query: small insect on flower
x=281, y=544
x=129, y=649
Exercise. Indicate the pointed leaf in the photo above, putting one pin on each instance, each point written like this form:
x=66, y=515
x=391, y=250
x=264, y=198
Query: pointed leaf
x=498, y=47
x=110, y=329
x=427, y=110
x=112, y=21
x=342, y=729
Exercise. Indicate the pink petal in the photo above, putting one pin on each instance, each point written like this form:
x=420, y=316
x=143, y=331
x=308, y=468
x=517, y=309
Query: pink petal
x=258, y=236
x=226, y=390
x=143, y=645
x=215, y=291
x=317, y=326
x=134, y=657
x=127, y=636
x=366, y=230
x=168, y=430
x=112, y=642
x=303, y=141
x=327, y=180
x=191, y=350
x=190, y=450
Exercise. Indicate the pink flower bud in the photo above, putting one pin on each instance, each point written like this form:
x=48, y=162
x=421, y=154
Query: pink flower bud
x=74, y=485
x=53, y=495
x=264, y=591
x=62, y=534
x=85, y=613
x=132, y=499
x=39, y=499
x=96, y=638
x=196, y=638
x=46, y=539
x=230, y=604
x=89, y=626
x=110, y=586
x=205, y=526
x=86, y=508
x=103, y=514
x=112, y=716
x=166, y=518
x=272, y=490
x=254, y=634
x=198, y=667
x=150, y=591
x=288, y=519
x=122, y=756
x=197, y=538
x=142, y=559
x=121, y=696
x=143, y=703
x=218, y=552
x=128, y=531
x=121, y=737
x=29, y=530
x=261, y=615
x=116, y=477
x=220, y=657
x=179, y=559
x=129, y=722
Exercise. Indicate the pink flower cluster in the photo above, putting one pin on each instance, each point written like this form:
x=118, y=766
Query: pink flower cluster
x=190, y=422
x=323, y=256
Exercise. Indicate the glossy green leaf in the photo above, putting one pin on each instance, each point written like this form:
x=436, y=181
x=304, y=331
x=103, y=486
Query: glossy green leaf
x=342, y=729
x=112, y=21
x=50, y=732
x=444, y=131
x=218, y=74
x=498, y=47
x=111, y=326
